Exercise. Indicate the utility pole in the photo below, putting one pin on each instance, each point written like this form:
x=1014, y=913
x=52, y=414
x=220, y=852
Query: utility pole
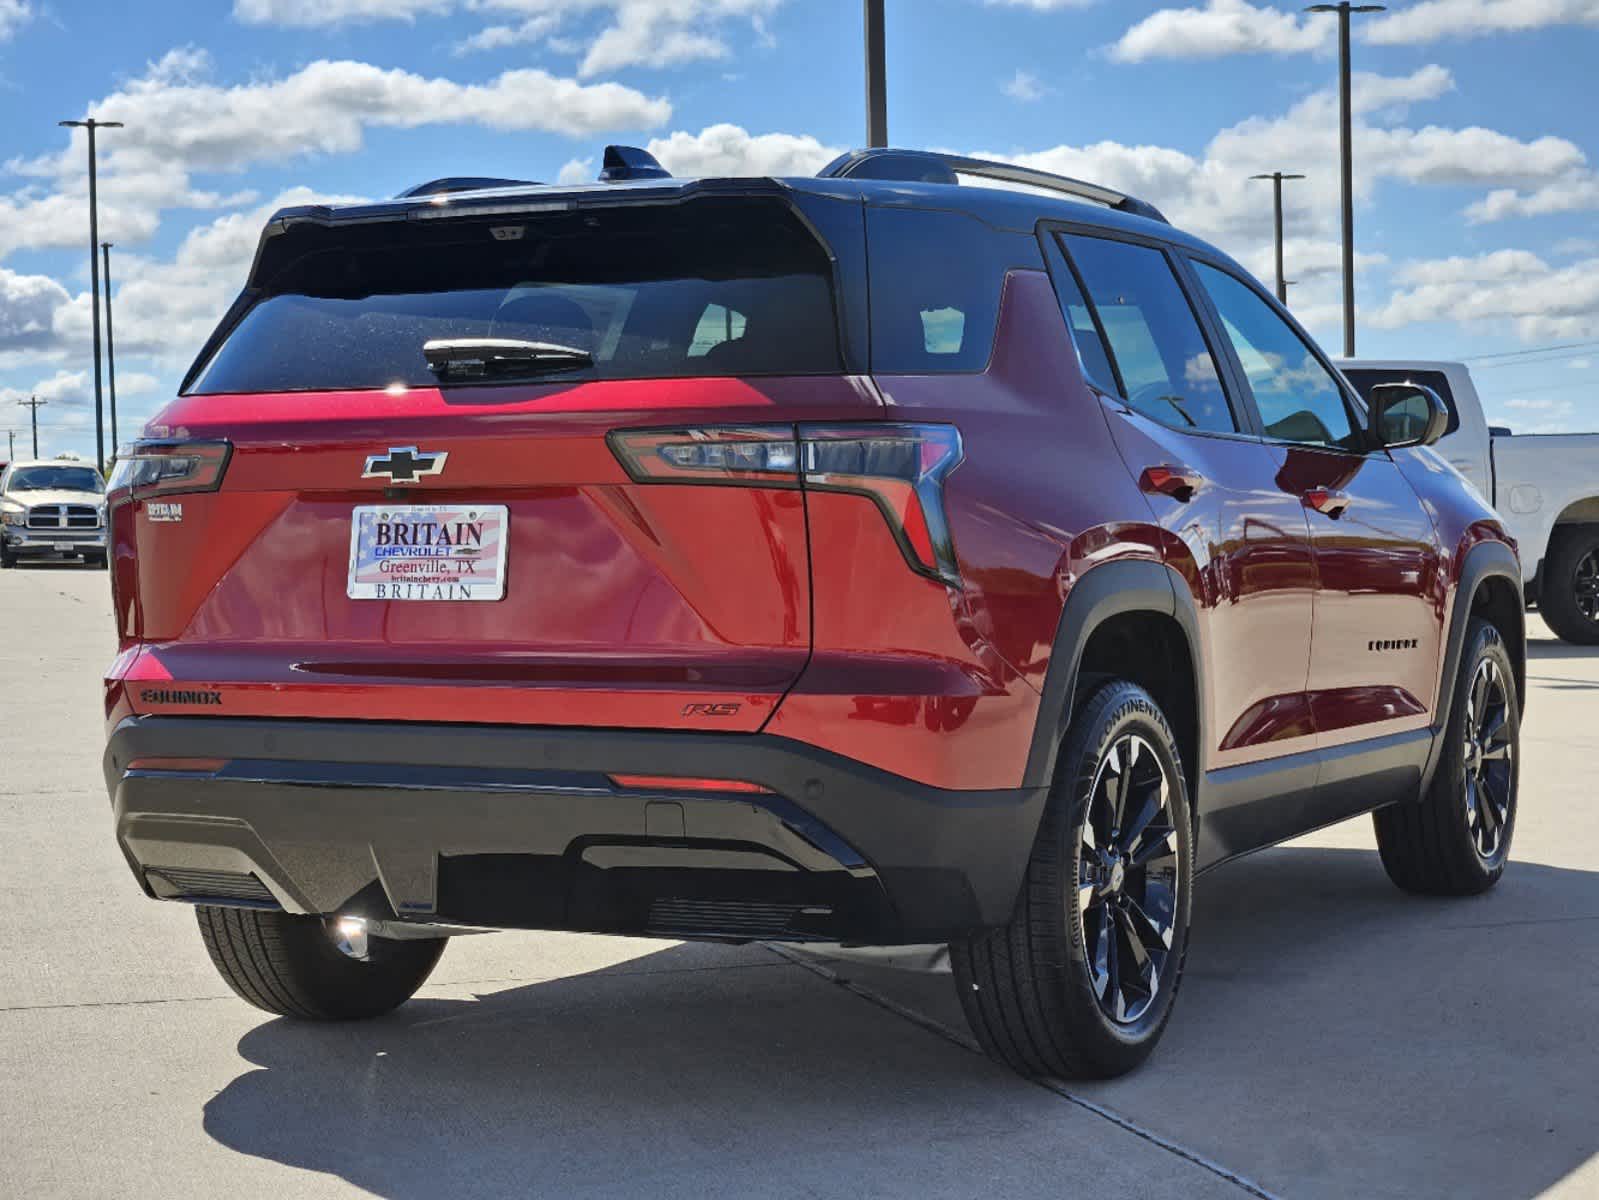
x=1276, y=178
x=34, y=403
x=876, y=80
x=94, y=279
x=11, y=439
x=1346, y=139
x=111, y=351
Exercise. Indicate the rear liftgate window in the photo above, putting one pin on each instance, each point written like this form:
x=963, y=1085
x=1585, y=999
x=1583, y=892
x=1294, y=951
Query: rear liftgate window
x=711, y=287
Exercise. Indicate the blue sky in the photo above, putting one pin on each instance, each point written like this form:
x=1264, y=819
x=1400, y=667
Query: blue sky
x=1478, y=219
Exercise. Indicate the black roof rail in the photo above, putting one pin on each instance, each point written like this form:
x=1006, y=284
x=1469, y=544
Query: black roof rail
x=926, y=166
x=629, y=162
x=460, y=183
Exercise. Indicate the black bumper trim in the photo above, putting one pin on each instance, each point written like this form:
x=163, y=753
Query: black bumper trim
x=494, y=825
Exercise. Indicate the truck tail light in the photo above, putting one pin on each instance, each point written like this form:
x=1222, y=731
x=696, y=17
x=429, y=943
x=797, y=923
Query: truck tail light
x=902, y=467
x=160, y=468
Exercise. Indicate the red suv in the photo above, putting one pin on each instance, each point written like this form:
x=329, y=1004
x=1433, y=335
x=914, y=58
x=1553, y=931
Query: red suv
x=883, y=557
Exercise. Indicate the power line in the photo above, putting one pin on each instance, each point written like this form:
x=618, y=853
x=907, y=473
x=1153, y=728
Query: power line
x=1531, y=350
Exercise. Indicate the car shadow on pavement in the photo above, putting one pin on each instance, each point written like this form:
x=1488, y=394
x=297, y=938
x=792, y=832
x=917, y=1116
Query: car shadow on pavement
x=1334, y=1037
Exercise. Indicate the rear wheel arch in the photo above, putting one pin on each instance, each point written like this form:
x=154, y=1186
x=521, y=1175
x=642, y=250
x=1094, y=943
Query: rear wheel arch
x=1489, y=587
x=1135, y=620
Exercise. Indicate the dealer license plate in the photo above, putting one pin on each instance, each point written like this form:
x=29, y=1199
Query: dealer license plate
x=428, y=552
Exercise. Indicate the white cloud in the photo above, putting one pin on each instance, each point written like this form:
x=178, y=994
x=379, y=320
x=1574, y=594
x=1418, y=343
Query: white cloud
x=647, y=33
x=1025, y=87
x=1434, y=19
x=576, y=170
x=1510, y=289
x=1040, y=5
x=28, y=305
x=731, y=150
x=1577, y=193
x=315, y=14
x=179, y=121
x=1579, y=364
x=500, y=37
x=1218, y=29
x=14, y=14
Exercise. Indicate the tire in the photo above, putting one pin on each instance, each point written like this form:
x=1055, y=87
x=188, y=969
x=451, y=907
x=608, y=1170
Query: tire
x=1441, y=846
x=1568, y=591
x=1032, y=989
x=290, y=965
x=7, y=561
x=98, y=561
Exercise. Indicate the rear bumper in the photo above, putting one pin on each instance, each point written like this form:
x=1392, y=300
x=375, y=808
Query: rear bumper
x=513, y=827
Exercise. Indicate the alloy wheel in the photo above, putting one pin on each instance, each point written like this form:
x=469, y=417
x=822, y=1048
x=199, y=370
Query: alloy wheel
x=1585, y=582
x=1489, y=775
x=1129, y=875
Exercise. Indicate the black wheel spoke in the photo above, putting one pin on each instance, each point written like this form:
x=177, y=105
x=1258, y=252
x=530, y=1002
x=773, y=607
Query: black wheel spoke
x=1154, y=800
x=1152, y=934
x=1113, y=973
x=1139, y=970
x=1159, y=842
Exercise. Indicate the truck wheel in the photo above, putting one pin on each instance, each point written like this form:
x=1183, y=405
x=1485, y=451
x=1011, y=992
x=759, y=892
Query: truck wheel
x=1080, y=982
x=1455, y=841
x=1568, y=592
x=292, y=966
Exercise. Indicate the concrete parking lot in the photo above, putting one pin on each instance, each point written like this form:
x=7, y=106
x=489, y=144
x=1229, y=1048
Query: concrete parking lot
x=1334, y=1038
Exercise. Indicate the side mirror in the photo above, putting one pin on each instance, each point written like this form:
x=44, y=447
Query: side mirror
x=1405, y=414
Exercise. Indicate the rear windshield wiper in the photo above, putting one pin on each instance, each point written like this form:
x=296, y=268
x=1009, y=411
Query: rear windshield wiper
x=489, y=358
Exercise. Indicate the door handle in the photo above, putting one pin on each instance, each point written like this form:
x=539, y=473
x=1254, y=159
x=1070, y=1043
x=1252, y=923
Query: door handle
x=1180, y=483
x=1325, y=500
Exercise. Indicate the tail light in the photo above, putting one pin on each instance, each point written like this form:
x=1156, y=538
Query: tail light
x=160, y=468
x=901, y=467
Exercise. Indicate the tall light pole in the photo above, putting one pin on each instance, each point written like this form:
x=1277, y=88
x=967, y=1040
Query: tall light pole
x=34, y=403
x=94, y=279
x=11, y=439
x=111, y=351
x=1276, y=178
x=876, y=82
x=1346, y=131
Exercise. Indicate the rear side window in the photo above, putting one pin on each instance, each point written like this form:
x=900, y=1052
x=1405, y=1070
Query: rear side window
x=714, y=287
x=1365, y=378
x=936, y=282
x=1165, y=370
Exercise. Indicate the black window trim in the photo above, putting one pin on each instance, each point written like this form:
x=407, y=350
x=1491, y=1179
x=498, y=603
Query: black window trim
x=1352, y=400
x=1244, y=415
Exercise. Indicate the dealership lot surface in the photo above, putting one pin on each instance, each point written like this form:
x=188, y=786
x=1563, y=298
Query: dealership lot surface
x=1334, y=1037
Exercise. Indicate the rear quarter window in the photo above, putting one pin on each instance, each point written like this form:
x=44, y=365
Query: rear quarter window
x=936, y=282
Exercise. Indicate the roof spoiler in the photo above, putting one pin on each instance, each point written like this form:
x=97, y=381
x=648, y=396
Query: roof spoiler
x=925, y=166
x=460, y=183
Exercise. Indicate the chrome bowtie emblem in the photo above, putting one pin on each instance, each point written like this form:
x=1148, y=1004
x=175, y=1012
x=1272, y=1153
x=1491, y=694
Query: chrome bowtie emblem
x=404, y=464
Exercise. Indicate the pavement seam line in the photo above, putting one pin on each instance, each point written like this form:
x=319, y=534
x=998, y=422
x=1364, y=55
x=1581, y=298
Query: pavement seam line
x=1053, y=1086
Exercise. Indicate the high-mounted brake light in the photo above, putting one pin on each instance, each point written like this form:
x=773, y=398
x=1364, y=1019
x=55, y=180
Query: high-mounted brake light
x=161, y=468
x=902, y=467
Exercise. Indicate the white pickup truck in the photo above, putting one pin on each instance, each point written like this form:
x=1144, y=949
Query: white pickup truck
x=1545, y=486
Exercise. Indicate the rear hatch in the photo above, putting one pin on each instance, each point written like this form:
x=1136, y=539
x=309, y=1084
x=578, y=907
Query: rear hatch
x=332, y=523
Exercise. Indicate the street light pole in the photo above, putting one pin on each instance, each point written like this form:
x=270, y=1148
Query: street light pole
x=1346, y=149
x=110, y=350
x=94, y=279
x=34, y=403
x=1277, y=178
x=11, y=440
x=876, y=81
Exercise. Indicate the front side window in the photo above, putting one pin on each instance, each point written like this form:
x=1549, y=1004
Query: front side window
x=1166, y=370
x=1298, y=398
